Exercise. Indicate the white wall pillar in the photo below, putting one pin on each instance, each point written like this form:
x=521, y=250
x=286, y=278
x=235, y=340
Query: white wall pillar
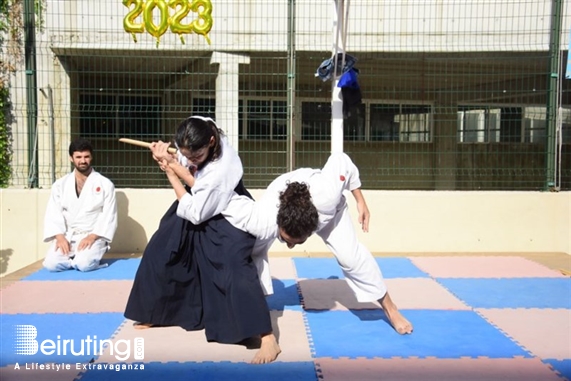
x=227, y=92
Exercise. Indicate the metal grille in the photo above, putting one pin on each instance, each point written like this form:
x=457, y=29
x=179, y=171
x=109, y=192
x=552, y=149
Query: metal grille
x=455, y=94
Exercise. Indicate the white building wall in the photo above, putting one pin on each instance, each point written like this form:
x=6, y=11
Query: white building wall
x=391, y=26
x=402, y=221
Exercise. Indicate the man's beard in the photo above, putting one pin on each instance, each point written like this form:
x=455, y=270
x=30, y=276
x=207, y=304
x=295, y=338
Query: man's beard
x=85, y=170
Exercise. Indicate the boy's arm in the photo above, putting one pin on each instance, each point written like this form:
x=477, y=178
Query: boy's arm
x=362, y=208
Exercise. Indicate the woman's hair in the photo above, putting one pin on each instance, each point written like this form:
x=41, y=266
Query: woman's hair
x=297, y=215
x=195, y=132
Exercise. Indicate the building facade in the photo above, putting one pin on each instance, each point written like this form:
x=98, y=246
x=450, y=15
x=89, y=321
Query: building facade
x=455, y=94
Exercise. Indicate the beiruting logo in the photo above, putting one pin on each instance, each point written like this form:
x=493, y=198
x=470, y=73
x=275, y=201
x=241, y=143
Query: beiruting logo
x=26, y=344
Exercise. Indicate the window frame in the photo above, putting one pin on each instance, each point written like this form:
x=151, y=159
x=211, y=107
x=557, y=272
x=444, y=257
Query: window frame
x=244, y=118
x=367, y=137
x=115, y=118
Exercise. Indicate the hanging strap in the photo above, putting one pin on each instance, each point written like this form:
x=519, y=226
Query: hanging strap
x=342, y=22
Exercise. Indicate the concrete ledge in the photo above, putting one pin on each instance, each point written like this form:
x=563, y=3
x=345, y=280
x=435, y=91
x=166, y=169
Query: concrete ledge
x=402, y=222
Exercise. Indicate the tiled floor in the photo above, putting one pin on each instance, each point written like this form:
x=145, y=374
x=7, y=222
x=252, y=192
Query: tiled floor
x=476, y=318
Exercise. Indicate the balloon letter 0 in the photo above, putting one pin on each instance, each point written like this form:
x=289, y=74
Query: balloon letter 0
x=156, y=30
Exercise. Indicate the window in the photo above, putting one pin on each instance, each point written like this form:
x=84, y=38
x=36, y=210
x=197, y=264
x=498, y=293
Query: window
x=511, y=124
x=316, y=121
x=97, y=115
x=388, y=122
x=478, y=125
x=204, y=107
x=400, y=122
x=264, y=120
x=483, y=124
x=139, y=116
x=207, y=107
x=414, y=123
x=566, y=125
x=535, y=125
x=119, y=115
x=354, y=125
x=384, y=127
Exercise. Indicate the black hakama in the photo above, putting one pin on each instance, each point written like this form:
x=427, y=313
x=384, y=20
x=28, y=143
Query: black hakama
x=200, y=277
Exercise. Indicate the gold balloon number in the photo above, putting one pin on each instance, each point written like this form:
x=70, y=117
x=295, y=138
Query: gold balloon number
x=202, y=25
x=156, y=30
x=129, y=23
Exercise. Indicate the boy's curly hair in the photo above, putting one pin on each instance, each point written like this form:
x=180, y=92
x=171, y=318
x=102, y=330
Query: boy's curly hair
x=297, y=215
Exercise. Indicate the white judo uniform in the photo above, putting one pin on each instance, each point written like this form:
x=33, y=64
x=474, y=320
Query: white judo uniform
x=94, y=211
x=336, y=228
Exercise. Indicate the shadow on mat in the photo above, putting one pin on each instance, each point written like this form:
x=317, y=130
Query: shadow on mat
x=327, y=294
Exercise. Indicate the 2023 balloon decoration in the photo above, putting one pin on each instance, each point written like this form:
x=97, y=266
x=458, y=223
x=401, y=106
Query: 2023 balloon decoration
x=145, y=8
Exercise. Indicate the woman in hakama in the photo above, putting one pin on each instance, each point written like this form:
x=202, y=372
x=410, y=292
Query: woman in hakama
x=197, y=272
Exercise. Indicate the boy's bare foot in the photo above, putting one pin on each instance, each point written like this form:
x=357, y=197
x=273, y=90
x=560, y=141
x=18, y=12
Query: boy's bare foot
x=269, y=350
x=399, y=322
x=138, y=325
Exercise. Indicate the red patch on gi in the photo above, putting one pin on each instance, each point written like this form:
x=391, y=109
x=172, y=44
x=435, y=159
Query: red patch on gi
x=98, y=189
x=342, y=178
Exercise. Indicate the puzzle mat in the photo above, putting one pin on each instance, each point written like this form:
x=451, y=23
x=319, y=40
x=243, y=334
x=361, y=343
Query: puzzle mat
x=475, y=318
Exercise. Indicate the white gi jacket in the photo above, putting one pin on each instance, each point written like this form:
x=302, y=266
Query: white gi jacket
x=213, y=187
x=326, y=187
x=94, y=211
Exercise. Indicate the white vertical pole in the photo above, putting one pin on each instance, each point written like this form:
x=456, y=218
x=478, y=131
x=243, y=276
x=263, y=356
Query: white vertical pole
x=336, y=96
x=227, y=93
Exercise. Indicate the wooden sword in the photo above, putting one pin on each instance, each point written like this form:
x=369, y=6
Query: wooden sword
x=141, y=143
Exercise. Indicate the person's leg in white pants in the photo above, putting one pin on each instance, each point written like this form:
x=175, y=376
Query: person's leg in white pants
x=84, y=260
x=56, y=260
x=89, y=259
x=359, y=267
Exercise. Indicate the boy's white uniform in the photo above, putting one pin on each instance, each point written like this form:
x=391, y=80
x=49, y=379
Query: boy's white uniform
x=94, y=211
x=335, y=226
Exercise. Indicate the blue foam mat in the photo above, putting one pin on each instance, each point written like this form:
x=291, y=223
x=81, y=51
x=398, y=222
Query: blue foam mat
x=400, y=268
x=285, y=297
x=511, y=292
x=118, y=269
x=57, y=328
x=317, y=268
x=561, y=366
x=208, y=371
x=328, y=268
x=437, y=333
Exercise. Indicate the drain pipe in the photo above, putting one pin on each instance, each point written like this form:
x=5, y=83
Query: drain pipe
x=31, y=91
x=291, y=87
x=49, y=97
x=551, y=117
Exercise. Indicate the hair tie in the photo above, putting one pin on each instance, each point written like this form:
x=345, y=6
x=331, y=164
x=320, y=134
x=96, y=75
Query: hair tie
x=204, y=118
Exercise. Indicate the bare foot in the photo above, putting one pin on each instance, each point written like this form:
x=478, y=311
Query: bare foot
x=399, y=322
x=138, y=325
x=269, y=350
x=252, y=342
